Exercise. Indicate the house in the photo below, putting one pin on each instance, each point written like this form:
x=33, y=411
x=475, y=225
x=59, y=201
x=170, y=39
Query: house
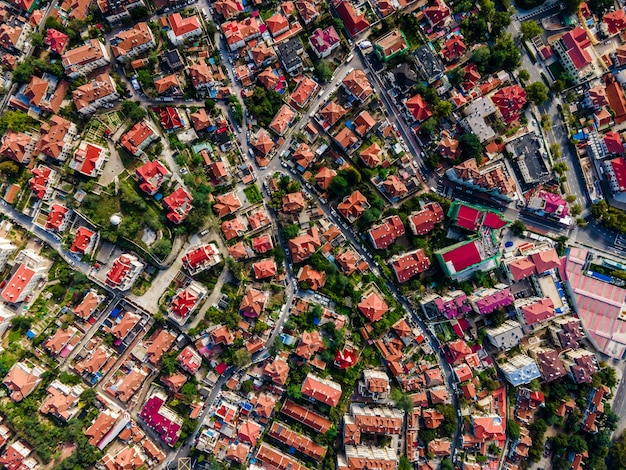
x=567, y=332
x=17, y=146
x=262, y=142
x=24, y=277
x=489, y=428
x=409, y=264
x=14, y=37
x=294, y=440
x=130, y=43
x=171, y=119
x=391, y=45
x=124, y=272
x=303, y=246
x=233, y=228
x=161, y=419
x=80, y=61
x=418, y=108
x=520, y=370
x=56, y=138
x=424, y=221
x=228, y=9
x=437, y=14
x=354, y=21
x=178, y=205
x=159, y=346
x=366, y=456
x=271, y=457
x=249, y=432
x=550, y=364
x=506, y=336
x=115, y=11
x=262, y=244
x=312, y=278
x=88, y=305
x=168, y=85
x=124, y=326
x=308, y=10
x=324, y=177
x=6, y=251
x=96, y=94
x=303, y=156
x=43, y=94
x=324, y=41
x=277, y=371
x=74, y=9
x=461, y=260
x=509, y=101
x=283, y=119
x=253, y=303
x=56, y=40
x=128, y=458
x=22, y=380
x=89, y=159
x=237, y=33
x=58, y=218
x=616, y=98
x=453, y=49
x=323, y=390
x=201, y=76
x=262, y=54
x=387, y=232
x=16, y=457
x=535, y=310
x=310, y=344
x=62, y=401
x=103, y=423
x=357, y=85
x=293, y=203
x=332, y=113
x=277, y=24
x=615, y=171
x=486, y=301
x=182, y=29
x=95, y=364
x=573, y=50
x=200, y=258
x=200, y=121
x=226, y=204
x=374, y=384
x=264, y=269
x=448, y=147
x=364, y=123
x=373, y=307
x=185, y=302
x=140, y=136
x=581, y=365
x=394, y=188
x=353, y=206
x=129, y=385
x=189, y=360
x=615, y=21
x=372, y=156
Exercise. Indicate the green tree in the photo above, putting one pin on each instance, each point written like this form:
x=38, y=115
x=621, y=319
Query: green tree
x=470, y=146
x=429, y=126
x=241, y=357
x=530, y=29
x=247, y=386
x=442, y=110
x=323, y=71
x=537, y=93
x=404, y=464
x=599, y=7
x=513, y=429
x=290, y=231
x=162, y=248
x=36, y=39
x=518, y=227
x=523, y=75
x=446, y=464
x=9, y=168
x=546, y=122
x=555, y=151
x=339, y=186
x=402, y=400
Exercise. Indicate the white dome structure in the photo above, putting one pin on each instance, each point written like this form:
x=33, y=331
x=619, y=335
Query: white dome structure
x=115, y=220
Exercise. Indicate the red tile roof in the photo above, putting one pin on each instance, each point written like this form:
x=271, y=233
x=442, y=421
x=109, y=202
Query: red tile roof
x=155, y=419
x=56, y=217
x=387, y=232
x=373, y=307
x=178, y=204
x=410, y=264
x=323, y=390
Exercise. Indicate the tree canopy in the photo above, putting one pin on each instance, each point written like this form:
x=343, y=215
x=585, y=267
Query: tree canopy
x=537, y=93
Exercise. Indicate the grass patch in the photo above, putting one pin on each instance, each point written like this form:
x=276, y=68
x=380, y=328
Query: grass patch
x=556, y=69
x=253, y=194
